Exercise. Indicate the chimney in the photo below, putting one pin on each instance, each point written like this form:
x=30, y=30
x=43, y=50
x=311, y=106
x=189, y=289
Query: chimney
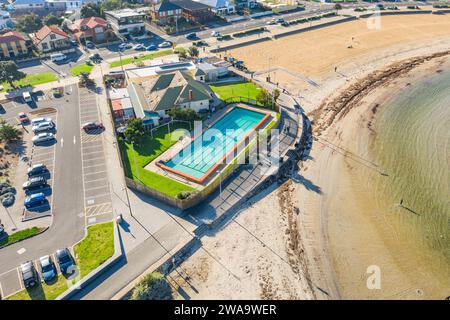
x=190, y=95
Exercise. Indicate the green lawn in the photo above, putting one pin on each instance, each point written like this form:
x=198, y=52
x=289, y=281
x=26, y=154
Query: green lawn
x=96, y=248
x=237, y=89
x=43, y=291
x=141, y=57
x=146, y=152
x=19, y=235
x=32, y=80
x=75, y=71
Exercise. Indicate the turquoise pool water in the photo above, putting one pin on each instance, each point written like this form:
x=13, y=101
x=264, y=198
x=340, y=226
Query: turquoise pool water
x=197, y=158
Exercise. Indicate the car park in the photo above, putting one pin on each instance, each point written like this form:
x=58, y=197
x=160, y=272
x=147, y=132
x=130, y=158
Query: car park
x=34, y=200
x=34, y=183
x=43, y=137
x=165, y=44
x=29, y=274
x=139, y=47
x=47, y=267
x=65, y=260
x=23, y=118
x=43, y=126
x=152, y=47
x=92, y=126
x=37, y=169
x=36, y=121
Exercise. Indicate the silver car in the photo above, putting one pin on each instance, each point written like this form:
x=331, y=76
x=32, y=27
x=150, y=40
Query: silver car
x=43, y=126
x=43, y=137
x=36, y=121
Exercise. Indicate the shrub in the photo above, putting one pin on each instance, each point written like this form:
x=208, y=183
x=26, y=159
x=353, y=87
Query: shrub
x=153, y=287
x=183, y=195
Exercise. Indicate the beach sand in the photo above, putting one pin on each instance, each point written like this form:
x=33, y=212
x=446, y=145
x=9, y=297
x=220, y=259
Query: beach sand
x=340, y=231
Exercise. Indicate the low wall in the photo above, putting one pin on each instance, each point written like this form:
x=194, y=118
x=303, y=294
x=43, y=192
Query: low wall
x=391, y=13
x=241, y=44
x=318, y=26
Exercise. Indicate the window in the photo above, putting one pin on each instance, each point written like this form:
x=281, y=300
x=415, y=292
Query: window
x=52, y=36
x=44, y=46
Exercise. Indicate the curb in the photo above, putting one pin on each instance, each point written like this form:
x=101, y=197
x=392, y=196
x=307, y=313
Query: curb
x=34, y=235
x=94, y=274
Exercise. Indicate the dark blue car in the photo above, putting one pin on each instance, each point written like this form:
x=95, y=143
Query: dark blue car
x=34, y=200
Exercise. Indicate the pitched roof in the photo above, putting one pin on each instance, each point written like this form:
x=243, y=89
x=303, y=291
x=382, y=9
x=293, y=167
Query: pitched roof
x=189, y=4
x=199, y=72
x=165, y=6
x=92, y=22
x=11, y=36
x=46, y=30
x=168, y=90
x=217, y=3
x=25, y=2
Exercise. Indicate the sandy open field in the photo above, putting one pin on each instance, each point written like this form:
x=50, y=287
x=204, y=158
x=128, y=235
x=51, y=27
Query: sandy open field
x=340, y=233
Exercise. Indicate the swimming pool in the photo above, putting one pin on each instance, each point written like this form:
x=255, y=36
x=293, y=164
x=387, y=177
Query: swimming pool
x=202, y=156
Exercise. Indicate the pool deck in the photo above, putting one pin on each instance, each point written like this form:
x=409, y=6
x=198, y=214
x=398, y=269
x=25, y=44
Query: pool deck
x=199, y=184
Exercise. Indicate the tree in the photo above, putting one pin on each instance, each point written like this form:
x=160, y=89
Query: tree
x=276, y=94
x=111, y=5
x=9, y=72
x=184, y=114
x=29, y=23
x=337, y=7
x=134, y=131
x=263, y=97
x=193, y=52
x=8, y=132
x=90, y=10
x=52, y=20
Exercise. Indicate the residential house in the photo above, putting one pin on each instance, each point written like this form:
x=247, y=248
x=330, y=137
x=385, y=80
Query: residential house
x=68, y=5
x=156, y=96
x=14, y=45
x=126, y=22
x=194, y=11
x=51, y=38
x=220, y=7
x=94, y=29
x=246, y=4
x=5, y=20
x=41, y=7
x=165, y=12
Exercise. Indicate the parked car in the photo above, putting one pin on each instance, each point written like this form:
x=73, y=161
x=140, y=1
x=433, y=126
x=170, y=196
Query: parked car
x=285, y=24
x=271, y=22
x=95, y=57
x=125, y=45
x=2, y=228
x=65, y=260
x=43, y=137
x=48, y=269
x=165, y=44
x=35, y=182
x=34, y=200
x=139, y=47
x=191, y=36
x=23, y=118
x=152, y=47
x=43, y=126
x=279, y=20
x=37, y=169
x=29, y=274
x=215, y=34
x=27, y=97
x=90, y=44
x=92, y=125
x=36, y=121
x=58, y=57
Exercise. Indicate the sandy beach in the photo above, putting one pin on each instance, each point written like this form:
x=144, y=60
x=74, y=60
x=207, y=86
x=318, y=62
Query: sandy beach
x=298, y=242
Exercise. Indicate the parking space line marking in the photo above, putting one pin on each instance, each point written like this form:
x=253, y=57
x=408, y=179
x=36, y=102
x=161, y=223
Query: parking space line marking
x=1, y=291
x=95, y=188
x=87, y=174
x=20, y=278
x=102, y=157
x=99, y=195
x=96, y=180
x=95, y=165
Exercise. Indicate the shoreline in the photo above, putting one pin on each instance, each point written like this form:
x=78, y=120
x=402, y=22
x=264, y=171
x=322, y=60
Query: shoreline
x=341, y=117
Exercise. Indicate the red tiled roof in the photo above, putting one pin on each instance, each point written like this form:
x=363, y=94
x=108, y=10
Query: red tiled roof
x=11, y=36
x=92, y=22
x=46, y=30
x=116, y=104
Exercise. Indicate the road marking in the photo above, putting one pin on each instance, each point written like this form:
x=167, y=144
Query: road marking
x=93, y=159
x=92, y=220
x=90, y=202
x=20, y=278
x=87, y=174
x=62, y=142
x=98, y=196
x=74, y=140
x=96, y=180
x=21, y=251
x=95, y=188
x=95, y=165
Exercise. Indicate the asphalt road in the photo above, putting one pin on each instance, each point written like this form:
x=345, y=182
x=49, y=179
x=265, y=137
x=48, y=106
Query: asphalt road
x=68, y=223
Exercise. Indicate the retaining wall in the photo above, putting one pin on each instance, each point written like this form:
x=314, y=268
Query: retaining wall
x=391, y=13
x=241, y=44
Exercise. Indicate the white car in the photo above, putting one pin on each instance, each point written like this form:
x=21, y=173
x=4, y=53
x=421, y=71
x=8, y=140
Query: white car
x=215, y=34
x=43, y=126
x=36, y=121
x=165, y=44
x=139, y=47
x=43, y=137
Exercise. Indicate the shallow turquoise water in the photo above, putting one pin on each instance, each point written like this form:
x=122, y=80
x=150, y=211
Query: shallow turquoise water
x=208, y=149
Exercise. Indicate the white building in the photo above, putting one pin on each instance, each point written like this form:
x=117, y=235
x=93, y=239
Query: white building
x=126, y=22
x=220, y=7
